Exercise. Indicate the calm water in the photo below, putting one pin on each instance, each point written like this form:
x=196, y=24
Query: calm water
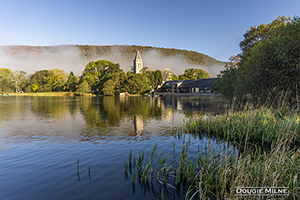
x=42, y=138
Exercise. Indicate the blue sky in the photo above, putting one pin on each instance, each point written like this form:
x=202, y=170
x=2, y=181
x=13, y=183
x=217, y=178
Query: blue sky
x=212, y=27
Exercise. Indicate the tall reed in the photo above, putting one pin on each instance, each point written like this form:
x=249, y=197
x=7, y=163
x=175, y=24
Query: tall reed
x=216, y=173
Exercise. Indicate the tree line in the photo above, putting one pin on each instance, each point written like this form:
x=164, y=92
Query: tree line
x=269, y=62
x=99, y=77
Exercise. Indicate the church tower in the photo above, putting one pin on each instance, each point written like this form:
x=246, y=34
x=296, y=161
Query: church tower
x=137, y=63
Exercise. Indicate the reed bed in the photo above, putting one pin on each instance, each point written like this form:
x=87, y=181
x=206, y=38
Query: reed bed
x=257, y=127
x=215, y=174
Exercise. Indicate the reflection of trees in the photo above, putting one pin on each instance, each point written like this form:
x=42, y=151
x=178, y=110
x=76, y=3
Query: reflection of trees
x=10, y=107
x=109, y=111
x=49, y=107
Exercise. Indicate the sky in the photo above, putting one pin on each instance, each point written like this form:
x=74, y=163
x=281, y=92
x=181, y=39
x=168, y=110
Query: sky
x=211, y=27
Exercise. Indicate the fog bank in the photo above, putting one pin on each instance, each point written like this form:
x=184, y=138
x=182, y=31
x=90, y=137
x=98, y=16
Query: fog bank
x=70, y=58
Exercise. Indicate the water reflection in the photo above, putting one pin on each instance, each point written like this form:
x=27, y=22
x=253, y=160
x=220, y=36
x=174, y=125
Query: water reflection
x=41, y=138
x=97, y=118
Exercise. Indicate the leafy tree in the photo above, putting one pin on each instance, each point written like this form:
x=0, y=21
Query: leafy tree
x=261, y=32
x=40, y=77
x=269, y=63
x=18, y=80
x=84, y=88
x=71, y=82
x=192, y=73
x=57, y=79
x=108, y=87
x=97, y=73
x=4, y=72
x=201, y=74
x=233, y=62
x=226, y=83
x=34, y=87
x=158, y=79
x=5, y=85
x=136, y=84
x=44, y=88
x=174, y=77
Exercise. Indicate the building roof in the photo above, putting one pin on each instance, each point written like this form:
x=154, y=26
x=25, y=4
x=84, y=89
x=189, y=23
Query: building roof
x=138, y=56
x=208, y=82
x=168, y=84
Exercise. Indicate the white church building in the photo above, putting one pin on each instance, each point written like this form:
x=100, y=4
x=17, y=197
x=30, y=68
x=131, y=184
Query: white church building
x=137, y=63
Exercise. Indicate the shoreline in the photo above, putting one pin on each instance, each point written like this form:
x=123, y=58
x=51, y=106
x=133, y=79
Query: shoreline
x=130, y=95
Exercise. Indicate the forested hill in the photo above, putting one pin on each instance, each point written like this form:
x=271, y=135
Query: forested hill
x=89, y=52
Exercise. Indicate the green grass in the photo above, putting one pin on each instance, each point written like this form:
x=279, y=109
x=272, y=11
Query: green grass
x=49, y=94
x=213, y=175
x=256, y=127
x=216, y=173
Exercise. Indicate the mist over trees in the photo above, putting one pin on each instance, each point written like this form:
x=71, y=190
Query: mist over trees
x=269, y=63
x=98, y=77
x=75, y=57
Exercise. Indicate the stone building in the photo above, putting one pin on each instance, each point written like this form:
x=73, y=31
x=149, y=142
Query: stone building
x=137, y=63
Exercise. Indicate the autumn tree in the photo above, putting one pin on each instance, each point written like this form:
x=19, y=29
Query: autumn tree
x=233, y=62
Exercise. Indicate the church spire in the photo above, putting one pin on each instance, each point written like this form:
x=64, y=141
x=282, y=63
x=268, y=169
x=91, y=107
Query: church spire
x=138, y=56
x=137, y=63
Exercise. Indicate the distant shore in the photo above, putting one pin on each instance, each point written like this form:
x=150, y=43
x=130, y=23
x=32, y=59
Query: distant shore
x=188, y=94
x=77, y=94
x=48, y=94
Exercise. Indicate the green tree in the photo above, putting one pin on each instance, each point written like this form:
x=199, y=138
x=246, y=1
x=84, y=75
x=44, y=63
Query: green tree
x=192, y=73
x=136, y=84
x=97, y=73
x=261, y=32
x=72, y=82
x=5, y=83
x=84, y=87
x=41, y=78
x=108, y=87
x=57, y=79
x=226, y=83
x=158, y=79
x=4, y=72
x=34, y=87
x=269, y=63
x=18, y=80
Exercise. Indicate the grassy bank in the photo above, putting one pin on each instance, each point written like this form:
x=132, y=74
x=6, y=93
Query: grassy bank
x=50, y=94
x=216, y=174
x=256, y=127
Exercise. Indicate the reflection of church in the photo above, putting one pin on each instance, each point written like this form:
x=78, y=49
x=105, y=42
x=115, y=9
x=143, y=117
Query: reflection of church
x=138, y=125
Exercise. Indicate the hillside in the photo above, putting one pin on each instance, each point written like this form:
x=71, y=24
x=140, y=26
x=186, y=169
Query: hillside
x=75, y=57
x=89, y=52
